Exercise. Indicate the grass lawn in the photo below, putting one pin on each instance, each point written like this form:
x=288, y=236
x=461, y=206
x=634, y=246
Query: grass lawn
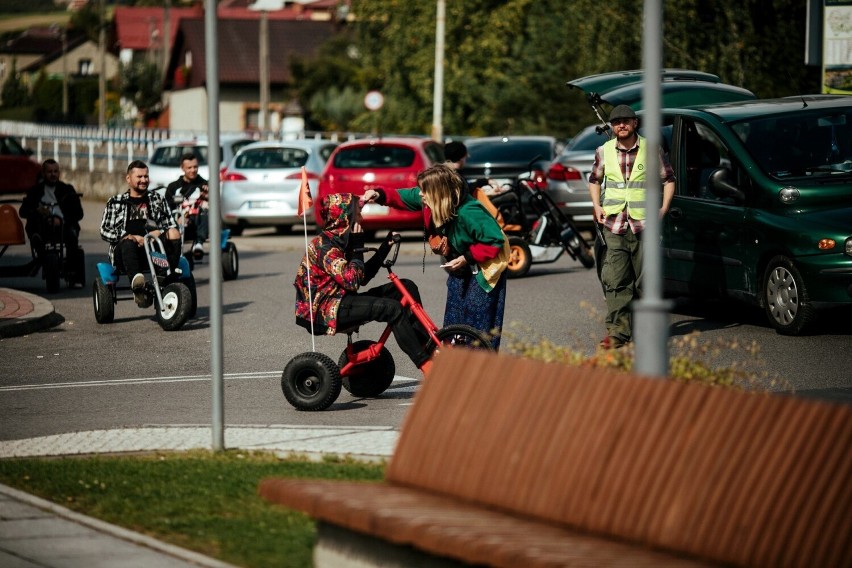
x=199, y=500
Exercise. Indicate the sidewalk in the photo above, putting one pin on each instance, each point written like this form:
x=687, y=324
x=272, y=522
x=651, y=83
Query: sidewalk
x=35, y=533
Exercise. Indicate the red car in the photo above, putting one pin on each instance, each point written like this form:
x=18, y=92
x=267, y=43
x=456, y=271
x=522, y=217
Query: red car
x=359, y=165
x=20, y=171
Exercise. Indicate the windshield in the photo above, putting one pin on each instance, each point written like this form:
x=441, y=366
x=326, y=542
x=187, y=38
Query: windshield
x=169, y=156
x=271, y=158
x=587, y=141
x=815, y=143
x=516, y=151
x=374, y=156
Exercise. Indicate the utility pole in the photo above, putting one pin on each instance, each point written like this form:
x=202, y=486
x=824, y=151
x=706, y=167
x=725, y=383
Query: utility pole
x=65, y=74
x=167, y=36
x=102, y=74
x=263, y=117
x=438, y=95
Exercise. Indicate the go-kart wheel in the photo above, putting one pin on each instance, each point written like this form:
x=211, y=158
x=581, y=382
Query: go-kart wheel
x=311, y=381
x=230, y=262
x=193, y=292
x=103, y=301
x=520, y=258
x=463, y=336
x=368, y=379
x=177, y=303
x=52, y=271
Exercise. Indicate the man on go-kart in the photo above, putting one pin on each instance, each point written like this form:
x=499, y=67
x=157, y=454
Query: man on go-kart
x=128, y=217
x=190, y=192
x=52, y=205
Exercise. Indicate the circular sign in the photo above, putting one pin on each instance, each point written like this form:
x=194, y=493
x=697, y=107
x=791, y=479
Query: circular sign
x=374, y=100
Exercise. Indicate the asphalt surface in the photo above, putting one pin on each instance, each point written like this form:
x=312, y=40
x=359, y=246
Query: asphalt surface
x=37, y=533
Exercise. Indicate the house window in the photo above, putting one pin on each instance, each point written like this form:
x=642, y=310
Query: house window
x=85, y=67
x=252, y=118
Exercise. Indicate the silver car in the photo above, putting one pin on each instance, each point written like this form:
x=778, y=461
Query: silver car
x=164, y=162
x=568, y=175
x=260, y=187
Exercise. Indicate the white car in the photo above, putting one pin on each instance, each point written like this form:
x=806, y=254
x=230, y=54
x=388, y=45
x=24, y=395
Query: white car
x=164, y=162
x=260, y=186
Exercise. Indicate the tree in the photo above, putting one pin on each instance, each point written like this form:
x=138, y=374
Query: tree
x=14, y=93
x=141, y=83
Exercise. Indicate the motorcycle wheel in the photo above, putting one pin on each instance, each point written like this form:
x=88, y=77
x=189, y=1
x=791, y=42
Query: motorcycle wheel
x=311, y=381
x=520, y=258
x=584, y=254
x=368, y=379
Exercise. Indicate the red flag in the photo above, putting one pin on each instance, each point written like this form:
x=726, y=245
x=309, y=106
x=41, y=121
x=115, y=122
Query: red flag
x=305, y=202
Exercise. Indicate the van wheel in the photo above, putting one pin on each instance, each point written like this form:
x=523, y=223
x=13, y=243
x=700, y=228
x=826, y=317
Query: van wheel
x=785, y=298
x=520, y=258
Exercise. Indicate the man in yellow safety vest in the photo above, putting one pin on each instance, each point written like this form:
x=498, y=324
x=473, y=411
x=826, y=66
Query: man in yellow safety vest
x=622, y=164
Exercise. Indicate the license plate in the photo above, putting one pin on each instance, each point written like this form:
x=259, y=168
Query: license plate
x=374, y=209
x=263, y=204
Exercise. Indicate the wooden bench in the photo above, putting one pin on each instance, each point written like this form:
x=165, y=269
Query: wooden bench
x=517, y=463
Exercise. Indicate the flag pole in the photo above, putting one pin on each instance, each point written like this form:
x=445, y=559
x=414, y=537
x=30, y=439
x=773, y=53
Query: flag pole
x=304, y=204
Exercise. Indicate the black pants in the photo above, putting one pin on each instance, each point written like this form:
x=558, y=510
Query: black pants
x=41, y=232
x=131, y=259
x=382, y=303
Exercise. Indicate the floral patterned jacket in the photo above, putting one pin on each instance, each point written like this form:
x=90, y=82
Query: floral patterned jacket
x=332, y=267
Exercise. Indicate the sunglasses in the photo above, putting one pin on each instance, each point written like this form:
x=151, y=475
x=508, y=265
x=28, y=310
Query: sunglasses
x=620, y=121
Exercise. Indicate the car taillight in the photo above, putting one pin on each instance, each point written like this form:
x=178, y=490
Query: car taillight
x=232, y=176
x=298, y=175
x=558, y=172
x=539, y=180
x=222, y=171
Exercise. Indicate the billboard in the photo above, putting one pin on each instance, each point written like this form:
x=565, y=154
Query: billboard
x=837, y=47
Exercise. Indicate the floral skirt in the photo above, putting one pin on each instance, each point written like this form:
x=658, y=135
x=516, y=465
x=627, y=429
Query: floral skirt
x=469, y=304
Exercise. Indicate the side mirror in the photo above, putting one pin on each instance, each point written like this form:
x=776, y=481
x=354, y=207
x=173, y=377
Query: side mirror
x=721, y=186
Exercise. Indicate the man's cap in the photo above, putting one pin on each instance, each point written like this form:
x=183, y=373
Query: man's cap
x=621, y=111
x=455, y=151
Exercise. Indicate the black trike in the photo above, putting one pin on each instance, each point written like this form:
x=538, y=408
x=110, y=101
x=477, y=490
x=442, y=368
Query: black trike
x=52, y=260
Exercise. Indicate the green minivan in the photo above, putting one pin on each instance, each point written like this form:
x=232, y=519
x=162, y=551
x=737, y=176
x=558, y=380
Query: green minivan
x=763, y=204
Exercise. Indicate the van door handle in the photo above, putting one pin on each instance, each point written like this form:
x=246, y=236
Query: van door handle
x=676, y=213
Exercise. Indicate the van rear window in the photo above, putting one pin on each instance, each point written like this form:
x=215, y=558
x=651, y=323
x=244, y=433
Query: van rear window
x=374, y=157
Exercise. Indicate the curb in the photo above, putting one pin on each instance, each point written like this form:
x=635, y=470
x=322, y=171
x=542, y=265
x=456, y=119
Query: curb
x=42, y=316
x=112, y=530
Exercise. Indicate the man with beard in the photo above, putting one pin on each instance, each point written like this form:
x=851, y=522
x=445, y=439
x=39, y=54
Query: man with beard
x=622, y=164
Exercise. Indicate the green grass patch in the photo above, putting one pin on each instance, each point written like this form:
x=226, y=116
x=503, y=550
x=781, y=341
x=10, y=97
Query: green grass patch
x=200, y=500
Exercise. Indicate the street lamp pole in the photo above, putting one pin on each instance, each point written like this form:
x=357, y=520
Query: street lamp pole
x=263, y=117
x=438, y=96
x=102, y=74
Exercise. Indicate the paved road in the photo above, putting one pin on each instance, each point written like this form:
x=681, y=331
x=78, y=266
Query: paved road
x=83, y=376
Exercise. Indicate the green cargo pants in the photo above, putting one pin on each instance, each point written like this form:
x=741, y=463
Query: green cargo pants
x=621, y=276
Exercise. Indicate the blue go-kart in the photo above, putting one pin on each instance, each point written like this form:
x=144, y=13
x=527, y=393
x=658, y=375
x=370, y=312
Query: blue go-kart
x=183, y=211
x=172, y=293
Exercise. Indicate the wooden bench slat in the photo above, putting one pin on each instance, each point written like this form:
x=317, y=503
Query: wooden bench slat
x=713, y=473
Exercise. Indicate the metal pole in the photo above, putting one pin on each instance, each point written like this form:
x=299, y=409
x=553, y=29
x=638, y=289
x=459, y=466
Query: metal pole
x=263, y=118
x=167, y=35
x=651, y=311
x=65, y=74
x=438, y=96
x=213, y=154
x=102, y=74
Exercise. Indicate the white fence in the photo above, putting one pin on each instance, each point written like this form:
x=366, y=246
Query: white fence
x=93, y=149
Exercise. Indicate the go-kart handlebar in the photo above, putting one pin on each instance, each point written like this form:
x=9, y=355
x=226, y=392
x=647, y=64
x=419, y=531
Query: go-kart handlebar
x=389, y=261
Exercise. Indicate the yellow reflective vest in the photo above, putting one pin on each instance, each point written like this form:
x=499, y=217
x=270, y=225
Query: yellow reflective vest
x=620, y=192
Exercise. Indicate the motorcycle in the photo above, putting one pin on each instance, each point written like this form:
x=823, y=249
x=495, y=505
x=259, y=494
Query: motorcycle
x=538, y=231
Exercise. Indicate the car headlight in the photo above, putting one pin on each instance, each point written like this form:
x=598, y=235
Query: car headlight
x=788, y=194
x=848, y=249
